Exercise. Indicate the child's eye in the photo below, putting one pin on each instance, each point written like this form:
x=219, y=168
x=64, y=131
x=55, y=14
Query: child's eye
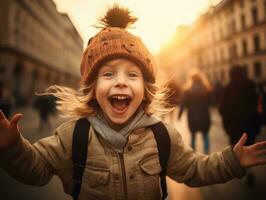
x=133, y=74
x=108, y=74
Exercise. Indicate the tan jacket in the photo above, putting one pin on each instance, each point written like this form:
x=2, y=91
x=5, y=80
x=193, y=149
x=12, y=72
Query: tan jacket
x=108, y=175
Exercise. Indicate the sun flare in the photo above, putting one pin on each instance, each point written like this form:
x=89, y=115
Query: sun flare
x=158, y=20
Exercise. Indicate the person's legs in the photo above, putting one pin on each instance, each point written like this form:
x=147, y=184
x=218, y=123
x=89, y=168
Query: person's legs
x=46, y=122
x=193, y=140
x=206, y=142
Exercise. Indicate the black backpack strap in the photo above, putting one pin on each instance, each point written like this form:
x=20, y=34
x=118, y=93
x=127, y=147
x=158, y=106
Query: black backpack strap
x=79, y=153
x=163, y=143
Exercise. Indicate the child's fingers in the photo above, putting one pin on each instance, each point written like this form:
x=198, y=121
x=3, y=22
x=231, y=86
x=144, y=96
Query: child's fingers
x=14, y=120
x=243, y=139
x=259, y=145
x=2, y=115
x=261, y=161
x=261, y=152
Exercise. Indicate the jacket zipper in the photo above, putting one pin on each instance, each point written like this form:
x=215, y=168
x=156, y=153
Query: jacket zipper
x=122, y=165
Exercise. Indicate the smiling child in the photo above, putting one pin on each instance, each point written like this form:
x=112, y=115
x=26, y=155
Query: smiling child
x=128, y=150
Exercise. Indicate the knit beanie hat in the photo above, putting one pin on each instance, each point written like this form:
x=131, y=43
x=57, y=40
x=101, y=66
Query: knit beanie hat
x=114, y=41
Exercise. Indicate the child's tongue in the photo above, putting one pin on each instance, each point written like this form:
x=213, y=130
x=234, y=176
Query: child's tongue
x=119, y=104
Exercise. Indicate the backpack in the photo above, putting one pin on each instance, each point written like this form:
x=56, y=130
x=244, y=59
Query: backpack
x=80, y=146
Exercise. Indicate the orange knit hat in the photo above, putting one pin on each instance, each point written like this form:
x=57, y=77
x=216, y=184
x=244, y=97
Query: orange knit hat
x=114, y=41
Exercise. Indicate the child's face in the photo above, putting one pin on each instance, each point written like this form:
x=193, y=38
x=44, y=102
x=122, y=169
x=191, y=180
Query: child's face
x=119, y=90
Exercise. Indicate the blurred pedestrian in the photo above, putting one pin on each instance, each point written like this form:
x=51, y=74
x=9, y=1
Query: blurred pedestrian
x=239, y=108
x=197, y=99
x=45, y=105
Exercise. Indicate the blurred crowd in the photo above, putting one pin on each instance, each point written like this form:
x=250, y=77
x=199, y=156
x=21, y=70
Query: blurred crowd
x=241, y=104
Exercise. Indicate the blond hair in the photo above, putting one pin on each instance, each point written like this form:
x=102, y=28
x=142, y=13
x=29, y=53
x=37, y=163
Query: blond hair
x=82, y=102
x=195, y=75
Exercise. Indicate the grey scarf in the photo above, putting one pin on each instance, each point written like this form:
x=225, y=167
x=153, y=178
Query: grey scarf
x=118, y=139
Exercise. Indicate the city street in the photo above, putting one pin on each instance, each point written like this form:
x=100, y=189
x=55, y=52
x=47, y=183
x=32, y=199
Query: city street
x=193, y=53
x=232, y=190
x=236, y=189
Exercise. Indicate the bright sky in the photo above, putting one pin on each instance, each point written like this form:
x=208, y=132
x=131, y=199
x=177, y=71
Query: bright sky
x=157, y=19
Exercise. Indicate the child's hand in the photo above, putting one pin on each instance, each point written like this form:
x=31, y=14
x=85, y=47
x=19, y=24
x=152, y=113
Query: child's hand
x=8, y=130
x=249, y=156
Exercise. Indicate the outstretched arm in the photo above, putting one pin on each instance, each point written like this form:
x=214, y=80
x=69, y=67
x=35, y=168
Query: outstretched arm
x=36, y=164
x=9, y=131
x=18, y=157
x=252, y=155
x=195, y=169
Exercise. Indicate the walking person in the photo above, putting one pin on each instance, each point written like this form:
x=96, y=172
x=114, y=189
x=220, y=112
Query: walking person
x=239, y=108
x=45, y=106
x=197, y=99
x=116, y=148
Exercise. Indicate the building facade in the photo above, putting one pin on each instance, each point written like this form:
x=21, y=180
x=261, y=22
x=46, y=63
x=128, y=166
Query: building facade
x=232, y=32
x=38, y=47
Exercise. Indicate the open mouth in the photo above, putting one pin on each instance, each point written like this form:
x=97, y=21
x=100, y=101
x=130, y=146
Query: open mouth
x=120, y=102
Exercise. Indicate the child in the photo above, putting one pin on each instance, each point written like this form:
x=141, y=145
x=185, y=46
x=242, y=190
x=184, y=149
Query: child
x=119, y=97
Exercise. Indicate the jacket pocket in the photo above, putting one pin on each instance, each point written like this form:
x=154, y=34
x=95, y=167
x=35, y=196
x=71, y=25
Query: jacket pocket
x=151, y=166
x=95, y=182
x=150, y=170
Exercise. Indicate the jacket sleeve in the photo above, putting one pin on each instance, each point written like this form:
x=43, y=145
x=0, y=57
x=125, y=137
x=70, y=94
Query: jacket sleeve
x=36, y=164
x=194, y=169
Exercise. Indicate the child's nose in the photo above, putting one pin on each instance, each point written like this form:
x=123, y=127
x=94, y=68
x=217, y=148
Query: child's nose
x=121, y=81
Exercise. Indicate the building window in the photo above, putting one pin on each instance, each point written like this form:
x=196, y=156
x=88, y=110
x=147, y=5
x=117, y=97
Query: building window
x=222, y=55
x=244, y=47
x=233, y=26
x=221, y=32
x=243, y=22
x=255, y=16
x=228, y=26
x=233, y=51
x=257, y=69
x=222, y=75
x=256, y=41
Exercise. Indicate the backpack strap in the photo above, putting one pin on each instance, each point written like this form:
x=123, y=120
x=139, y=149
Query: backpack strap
x=79, y=153
x=163, y=143
x=80, y=146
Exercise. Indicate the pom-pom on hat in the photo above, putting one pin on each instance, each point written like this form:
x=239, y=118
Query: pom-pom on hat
x=114, y=41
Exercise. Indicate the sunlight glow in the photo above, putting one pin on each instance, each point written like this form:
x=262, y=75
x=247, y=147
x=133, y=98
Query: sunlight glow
x=158, y=19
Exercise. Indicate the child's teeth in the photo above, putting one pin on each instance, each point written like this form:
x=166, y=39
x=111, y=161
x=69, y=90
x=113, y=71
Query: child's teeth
x=120, y=97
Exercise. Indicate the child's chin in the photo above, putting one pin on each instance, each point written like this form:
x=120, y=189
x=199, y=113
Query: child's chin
x=119, y=122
